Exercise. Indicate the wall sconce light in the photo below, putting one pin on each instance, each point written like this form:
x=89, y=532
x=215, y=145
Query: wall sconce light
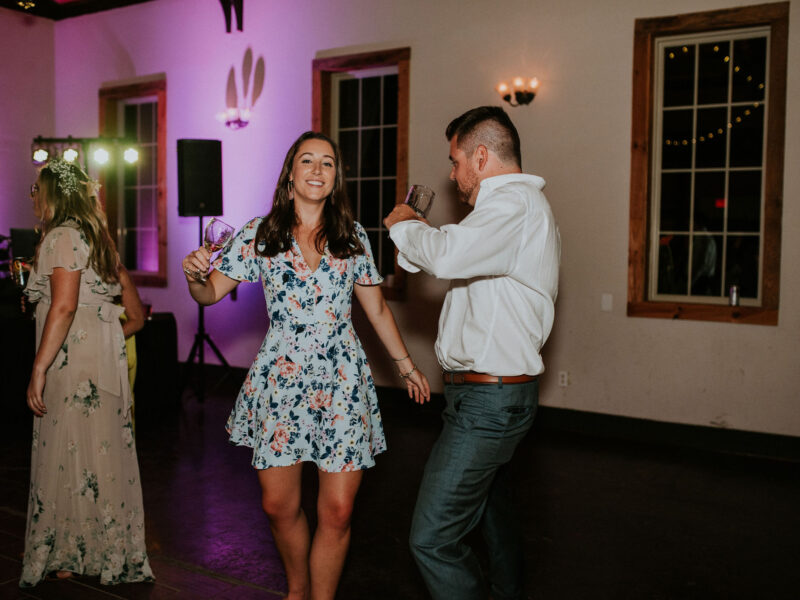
x=521, y=91
x=238, y=112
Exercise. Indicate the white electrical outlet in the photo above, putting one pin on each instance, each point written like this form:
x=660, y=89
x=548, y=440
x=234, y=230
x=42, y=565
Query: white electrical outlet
x=606, y=302
x=563, y=378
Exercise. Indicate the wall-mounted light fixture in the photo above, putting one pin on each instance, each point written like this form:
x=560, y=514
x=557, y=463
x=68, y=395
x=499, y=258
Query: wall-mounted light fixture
x=80, y=150
x=521, y=91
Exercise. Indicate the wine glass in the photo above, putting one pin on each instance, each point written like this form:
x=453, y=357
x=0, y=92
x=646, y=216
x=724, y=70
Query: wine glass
x=420, y=198
x=20, y=267
x=216, y=236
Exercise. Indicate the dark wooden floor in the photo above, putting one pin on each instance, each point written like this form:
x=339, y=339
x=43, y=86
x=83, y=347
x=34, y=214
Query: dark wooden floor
x=605, y=519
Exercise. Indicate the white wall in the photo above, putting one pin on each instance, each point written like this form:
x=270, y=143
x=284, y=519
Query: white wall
x=576, y=135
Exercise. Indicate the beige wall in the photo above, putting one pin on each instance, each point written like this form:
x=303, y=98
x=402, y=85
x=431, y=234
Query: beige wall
x=576, y=135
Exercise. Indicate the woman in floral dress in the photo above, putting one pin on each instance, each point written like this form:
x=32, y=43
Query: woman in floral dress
x=309, y=395
x=85, y=507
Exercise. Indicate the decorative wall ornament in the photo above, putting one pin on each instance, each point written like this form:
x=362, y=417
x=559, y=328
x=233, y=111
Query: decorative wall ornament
x=238, y=7
x=238, y=112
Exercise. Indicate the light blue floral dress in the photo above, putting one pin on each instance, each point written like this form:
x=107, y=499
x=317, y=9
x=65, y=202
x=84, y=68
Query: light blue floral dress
x=309, y=395
x=85, y=505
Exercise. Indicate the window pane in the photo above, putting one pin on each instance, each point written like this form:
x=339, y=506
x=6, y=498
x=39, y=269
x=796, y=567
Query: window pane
x=370, y=152
x=130, y=209
x=744, y=210
x=389, y=151
x=676, y=194
x=709, y=201
x=389, y=196
x=147, y=258
x=707, y=265
x=713, y=73
x=348, y=103
x=370, y=204
x=131, y=125
x=348, y=144
x=747, y=134
x=147, y=166
x=147, y=127
x=387, y=255
x=131, y=173
x=390, y=100
x=742, y=265
x=679, y=75
x=371, y=101
x=711, y=128
x=373, y=242
x=673, y=264
x=677, y=136
x=749, y=69
x=352, y=196
x=147, y=208
x=131, y=257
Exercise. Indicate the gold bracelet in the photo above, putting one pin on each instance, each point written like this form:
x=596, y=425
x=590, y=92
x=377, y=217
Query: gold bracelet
x=401, y=359
x=407, y=375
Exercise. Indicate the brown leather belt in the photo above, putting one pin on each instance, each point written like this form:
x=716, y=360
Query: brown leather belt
x=472, y=377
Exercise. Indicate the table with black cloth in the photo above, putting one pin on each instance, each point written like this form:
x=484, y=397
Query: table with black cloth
x=157, y=389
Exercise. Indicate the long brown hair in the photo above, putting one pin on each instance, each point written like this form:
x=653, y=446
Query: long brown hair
x=78, y=203
x=337, y=226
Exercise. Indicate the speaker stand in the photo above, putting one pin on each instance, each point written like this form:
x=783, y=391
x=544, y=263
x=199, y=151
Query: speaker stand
x=198, y=349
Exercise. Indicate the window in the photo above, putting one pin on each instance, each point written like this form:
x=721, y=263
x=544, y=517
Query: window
x=135, y=194
x=707, y=164
x=361, y=101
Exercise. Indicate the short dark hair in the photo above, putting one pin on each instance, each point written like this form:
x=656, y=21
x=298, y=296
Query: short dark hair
x=489, y=126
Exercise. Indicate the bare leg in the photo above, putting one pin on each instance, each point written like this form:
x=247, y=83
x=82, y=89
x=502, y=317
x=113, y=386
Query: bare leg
x=337, y=492
x=280, y=498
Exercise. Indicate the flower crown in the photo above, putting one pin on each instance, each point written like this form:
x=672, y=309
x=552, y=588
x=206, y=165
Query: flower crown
x=68, y=181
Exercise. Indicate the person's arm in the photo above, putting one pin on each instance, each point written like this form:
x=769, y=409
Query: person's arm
x=216, y=286
x=483, y=244
x=132, y=304
x=380, y=316
x=64, y=286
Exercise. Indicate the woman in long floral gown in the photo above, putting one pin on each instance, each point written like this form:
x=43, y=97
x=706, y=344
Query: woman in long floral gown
x=85, y=511
x=309, y=396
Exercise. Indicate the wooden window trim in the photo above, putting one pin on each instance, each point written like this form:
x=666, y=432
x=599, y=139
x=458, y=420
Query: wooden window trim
x=109, y=101
x=776, y=16
x=322, y=68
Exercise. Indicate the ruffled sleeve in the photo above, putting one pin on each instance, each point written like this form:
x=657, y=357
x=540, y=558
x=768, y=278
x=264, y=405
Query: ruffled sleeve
x=64, y=248
x=366, y=272
x=239, y=260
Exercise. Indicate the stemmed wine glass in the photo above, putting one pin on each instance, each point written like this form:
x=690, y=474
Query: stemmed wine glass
x=216, y=236
x=420, y=198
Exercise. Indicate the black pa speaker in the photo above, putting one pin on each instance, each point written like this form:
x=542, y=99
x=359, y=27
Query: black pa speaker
x=199, y=178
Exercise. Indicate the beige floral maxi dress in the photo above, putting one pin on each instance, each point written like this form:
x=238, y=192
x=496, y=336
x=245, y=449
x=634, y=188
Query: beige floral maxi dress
x=85, y=502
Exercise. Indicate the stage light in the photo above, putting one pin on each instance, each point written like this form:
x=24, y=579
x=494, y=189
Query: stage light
x=40, y=156
x=131, y=155
x=101, y=156
x=70, y=154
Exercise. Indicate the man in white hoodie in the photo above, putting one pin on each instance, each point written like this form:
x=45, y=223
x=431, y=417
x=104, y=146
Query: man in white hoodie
x=503, y=261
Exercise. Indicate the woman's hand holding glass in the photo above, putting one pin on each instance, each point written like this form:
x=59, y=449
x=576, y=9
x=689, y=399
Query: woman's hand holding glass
x=216, y=236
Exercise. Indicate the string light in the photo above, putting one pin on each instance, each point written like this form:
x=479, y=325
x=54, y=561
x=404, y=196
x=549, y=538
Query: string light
x=710, y=135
